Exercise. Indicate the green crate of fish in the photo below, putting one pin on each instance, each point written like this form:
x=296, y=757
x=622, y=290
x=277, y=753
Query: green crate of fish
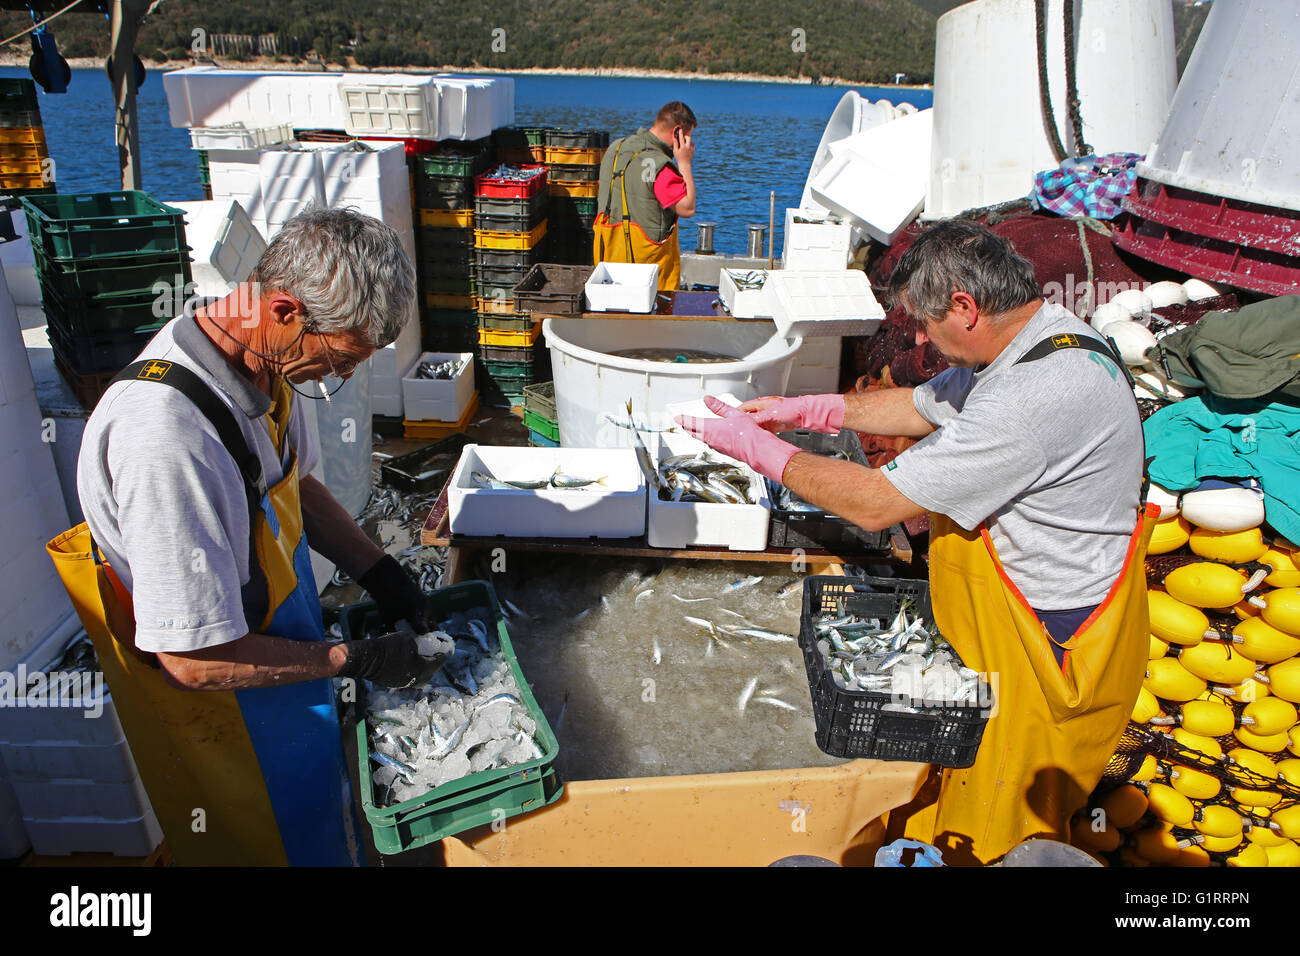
x=77, y=226
x=885, y=684
x=536, y=423
x=444, y=192
x=452, y=161
x=797, y=524
x=468, y=749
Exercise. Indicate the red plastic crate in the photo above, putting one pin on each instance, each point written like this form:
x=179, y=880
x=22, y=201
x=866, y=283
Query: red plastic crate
x=485, y=185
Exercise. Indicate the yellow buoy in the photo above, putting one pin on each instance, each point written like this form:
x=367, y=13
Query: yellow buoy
x=1223, y=844
x=1264, y=836
x=1145, y=707
x=1156, y=845
x=1147, y=770
x=1283, y=679
x=1248, y=691
x=1269, y=744
x=1285, y=854
x=1218, y=821
x=1170, y=680
x=1286, y=572
x=1106, y=839
x=1244, y=609
x=1157, y=647
x=1272, y=715
x=1170, y=805
x=1174, y=621
x=1169, y=535
x=1193, y=783
x=1249, y=855
x=1203, y=745
x=1124, y=805
x=1234, y=547
x=1282, y=609
x=1217, y=662
x=1293, y=740
x=1261, y=641
x=1209, y=718
x=1289, y=770
x=1254, y=761
x=1192, y=856
x=1206, y=584
x=1288, y=818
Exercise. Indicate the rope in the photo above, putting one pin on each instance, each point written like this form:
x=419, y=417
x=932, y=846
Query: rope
x=1087, y=307
x=1044, y=94
x=1071, y=85
x=39, y=24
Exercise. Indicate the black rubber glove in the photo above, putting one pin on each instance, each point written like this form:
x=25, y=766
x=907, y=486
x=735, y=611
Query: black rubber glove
x=398, y=596
x=392, y=660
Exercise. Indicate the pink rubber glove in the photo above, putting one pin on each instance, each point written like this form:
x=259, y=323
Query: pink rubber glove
x=818, y=413
x=738, y=435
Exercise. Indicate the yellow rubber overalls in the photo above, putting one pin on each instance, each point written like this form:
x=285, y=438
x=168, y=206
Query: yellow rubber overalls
x=625, y=241
x=250, y=777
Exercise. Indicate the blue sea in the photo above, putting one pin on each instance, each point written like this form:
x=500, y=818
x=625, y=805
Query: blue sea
x=752, y=137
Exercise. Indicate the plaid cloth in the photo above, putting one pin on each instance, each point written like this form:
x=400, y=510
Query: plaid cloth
x=1087, y=186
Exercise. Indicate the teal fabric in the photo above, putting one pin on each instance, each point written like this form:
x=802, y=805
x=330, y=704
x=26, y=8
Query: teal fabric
x=1209, y=437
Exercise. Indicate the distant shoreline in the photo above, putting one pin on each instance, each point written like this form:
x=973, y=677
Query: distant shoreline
x=266, y=63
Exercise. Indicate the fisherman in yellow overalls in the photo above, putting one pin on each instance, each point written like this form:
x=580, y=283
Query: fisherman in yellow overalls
x=1030, y=465
x=646, y=184
x=192, y=574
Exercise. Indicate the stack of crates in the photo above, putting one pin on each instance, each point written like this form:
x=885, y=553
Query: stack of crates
x=573, y=158
x=205, y=178
x=539, y=415
x=24, y=160
x=510, y=224
x=113, y=269
x=442, y=182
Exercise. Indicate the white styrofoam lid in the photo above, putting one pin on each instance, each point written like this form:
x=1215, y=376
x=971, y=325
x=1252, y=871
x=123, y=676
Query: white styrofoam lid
x=811, y=297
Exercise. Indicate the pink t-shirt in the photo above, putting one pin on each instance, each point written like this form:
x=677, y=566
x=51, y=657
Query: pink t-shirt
x=670, y=187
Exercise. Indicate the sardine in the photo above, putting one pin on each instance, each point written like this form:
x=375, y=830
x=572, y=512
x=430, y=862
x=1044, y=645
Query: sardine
x=480, y=633
x=760, y=634
x=791, y=588
x=559, y=480
x=741, y=584
x=657, y=654
x=691, y=600
x=746, y=694
x=450, y=742
x=385, y=760
x=641, y=594
x=775, y=702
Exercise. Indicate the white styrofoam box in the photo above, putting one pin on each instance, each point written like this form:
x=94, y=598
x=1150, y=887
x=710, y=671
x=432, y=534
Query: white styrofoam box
x=813, y=380
x=470, y=107
x=425, y=399
x=825, y=303
x=63, y=836
x=819, y=350
x=878, y=177
x=19, y=263
x=362, y=174
x=44, y=799
x=106, y=763
x=208, y=96
x=676, y=524
x=615, y=509
x=33, y=602
x=239, y=136
x=623, y=287
x=390, y=105
x=745, y=303
x=386, y=387
x=225, y=243
x=815, y=241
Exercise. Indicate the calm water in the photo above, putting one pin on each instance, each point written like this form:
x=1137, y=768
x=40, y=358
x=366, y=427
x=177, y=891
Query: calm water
x=752, y=138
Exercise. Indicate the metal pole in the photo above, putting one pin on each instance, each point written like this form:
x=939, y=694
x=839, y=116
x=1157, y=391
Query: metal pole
x=124, y=26
x=771, y=227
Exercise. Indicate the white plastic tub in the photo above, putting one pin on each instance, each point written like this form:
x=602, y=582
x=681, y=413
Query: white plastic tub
x=239, y=136
x=438, y=400
x=677, y=524
x=589, y=382
x=622, y=287
x=615, y=509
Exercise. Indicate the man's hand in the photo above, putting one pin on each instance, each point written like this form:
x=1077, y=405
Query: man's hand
x=398, y=596
x=818, y=413
x=393, y=660
x=738, y=435
x=683, y=147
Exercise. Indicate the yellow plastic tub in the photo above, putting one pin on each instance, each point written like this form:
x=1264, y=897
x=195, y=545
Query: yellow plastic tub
x=509, y=337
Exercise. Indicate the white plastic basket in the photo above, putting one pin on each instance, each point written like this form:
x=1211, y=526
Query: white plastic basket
x=239, y=136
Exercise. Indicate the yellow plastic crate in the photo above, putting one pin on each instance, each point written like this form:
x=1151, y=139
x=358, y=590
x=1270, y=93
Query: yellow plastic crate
x=509, y=337
x=445, y=300
x=17, y=181
x=22, y=134
x=426, y=430
x=447, y=218
x=494, y=306
x=585, y=189
x=26, y=166
x=490, y=239
x=10, y=152
x=573, y=156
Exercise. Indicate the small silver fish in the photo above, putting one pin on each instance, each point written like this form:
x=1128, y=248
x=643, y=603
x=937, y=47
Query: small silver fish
x=579, y=616
x=775, y=702
x=760, y=634
x=480, y=633
x=657, y=656
x=559, y=480
x=791, y=588
x=403, y=769
x=642, y=594
x=514, y=611
x=500, y=697
x=449, y=742
x=747, y=693
x=487, y=481
x=691, y=600
x=741, y=584
x=700, y=622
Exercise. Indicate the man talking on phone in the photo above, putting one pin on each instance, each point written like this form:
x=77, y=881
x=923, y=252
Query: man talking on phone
x=646, y=184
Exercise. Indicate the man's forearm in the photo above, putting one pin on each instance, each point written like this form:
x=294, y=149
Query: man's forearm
x=255, y=660
x=885, y=411
x=853, y=492
x=332, y=532
x=686, y=205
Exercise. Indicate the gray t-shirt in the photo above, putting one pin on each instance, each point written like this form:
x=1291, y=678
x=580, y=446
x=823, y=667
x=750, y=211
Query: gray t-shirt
x=163, y=497
x=1048, y=453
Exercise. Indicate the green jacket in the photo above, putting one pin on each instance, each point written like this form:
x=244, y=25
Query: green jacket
x=1249, y=353
x=633, y=163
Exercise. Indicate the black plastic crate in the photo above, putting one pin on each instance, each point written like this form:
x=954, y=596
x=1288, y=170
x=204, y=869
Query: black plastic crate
x=854, y=723
x=448, y=268
x=553, y=289
x=508, y=276
x=18, y=94
x=533, y=207
x=568, y=173
x=500, y=223
x=92, y=354
x=577, y=138
x=443, y=241
x=449, y=336
x=112, y=315
x=443, y=192
x=523, y=259
x=821, y=530
x=510, y=353
x=427, y=468
x=452, y=161
x=462, y=284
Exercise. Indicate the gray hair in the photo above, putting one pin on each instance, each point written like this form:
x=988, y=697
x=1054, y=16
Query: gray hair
x=957, y=255
x=348, y=270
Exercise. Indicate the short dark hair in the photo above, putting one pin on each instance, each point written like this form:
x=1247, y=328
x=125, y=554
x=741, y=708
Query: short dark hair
x=957, y=255
x=676, y=113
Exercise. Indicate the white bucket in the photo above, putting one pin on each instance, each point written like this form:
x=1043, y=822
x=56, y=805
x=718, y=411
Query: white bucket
x=590, y=383
x=989, y=135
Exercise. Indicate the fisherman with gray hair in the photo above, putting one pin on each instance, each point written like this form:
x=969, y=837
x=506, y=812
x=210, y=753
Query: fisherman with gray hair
x=200, y=504
x=1029, y=463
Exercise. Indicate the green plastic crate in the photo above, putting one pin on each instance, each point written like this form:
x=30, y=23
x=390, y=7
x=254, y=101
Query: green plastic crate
x=543, y=426
x=540, y=400
x=112, y=275
x=505, y=323
x=78, y=226
x=18, y=94
x=478, y=798
x=452, y=162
